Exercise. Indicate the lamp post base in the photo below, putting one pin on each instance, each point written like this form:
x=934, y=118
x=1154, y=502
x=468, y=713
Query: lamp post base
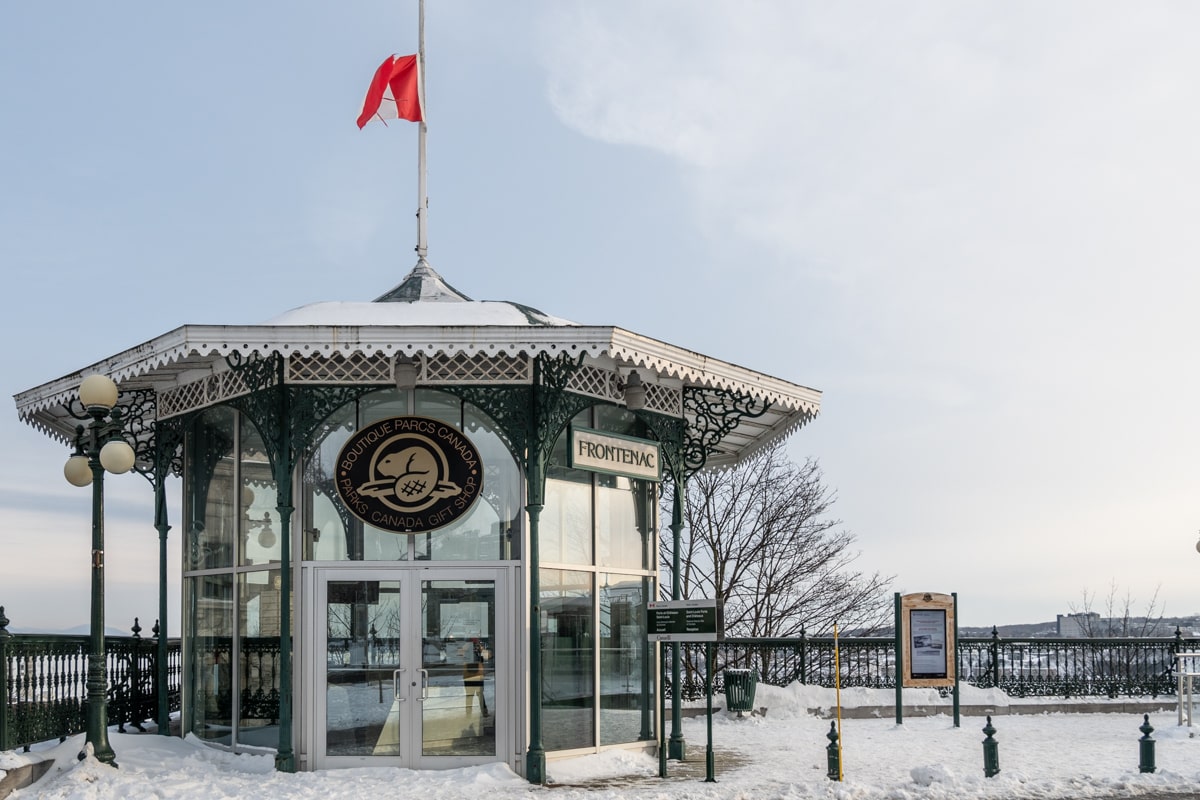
x=535, y=766
x=676, y=748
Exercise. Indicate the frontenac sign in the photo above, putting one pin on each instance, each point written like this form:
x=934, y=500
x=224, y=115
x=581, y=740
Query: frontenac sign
x=409, y=474
x=614, y=454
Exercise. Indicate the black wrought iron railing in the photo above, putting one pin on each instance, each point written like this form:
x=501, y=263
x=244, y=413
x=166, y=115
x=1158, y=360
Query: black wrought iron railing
x=43, y=683
x=1028, y=667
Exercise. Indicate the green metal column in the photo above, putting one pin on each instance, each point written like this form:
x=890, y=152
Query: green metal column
x=676, y=747
x=550, y=410
x=285, y=758
x=97, y=677
x=535, y=758
x=162, y=677
x=4, y=693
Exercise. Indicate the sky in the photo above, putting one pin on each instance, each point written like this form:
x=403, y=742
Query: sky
x=781, y=755
x=970, y=225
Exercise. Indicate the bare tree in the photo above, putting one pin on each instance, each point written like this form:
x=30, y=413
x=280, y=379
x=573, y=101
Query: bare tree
x=1116, y=617
x=758, y=538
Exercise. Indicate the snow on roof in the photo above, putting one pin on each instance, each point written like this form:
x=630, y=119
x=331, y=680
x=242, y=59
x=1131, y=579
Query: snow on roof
x=471, y=314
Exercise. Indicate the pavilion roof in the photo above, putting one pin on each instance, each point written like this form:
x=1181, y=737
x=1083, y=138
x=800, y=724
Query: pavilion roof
x=424, y=317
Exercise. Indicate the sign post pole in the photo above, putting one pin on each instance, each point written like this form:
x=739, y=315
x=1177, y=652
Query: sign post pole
x=957, y=664
x=899, y=664
x=709, y=766
x=677, y=621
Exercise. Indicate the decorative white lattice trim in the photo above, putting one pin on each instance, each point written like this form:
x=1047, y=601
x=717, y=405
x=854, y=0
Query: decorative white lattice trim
x=338, y=368
x=596, y=382
x=476, y=368
x=205, y=392
x=608, y=384
x=664, y=399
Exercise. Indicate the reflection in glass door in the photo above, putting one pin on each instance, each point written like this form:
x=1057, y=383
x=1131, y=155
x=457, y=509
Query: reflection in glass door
x=458, y=625
x=410, y=667
x=363, y=668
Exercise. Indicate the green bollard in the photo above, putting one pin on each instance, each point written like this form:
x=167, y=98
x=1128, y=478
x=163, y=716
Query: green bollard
x=833, y=755
x=991, y=751
x=1146, y=746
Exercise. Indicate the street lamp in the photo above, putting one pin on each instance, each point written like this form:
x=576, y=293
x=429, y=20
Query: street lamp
x=99, y=446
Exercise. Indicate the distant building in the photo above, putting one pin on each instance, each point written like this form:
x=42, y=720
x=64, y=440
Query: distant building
x=1078, y=626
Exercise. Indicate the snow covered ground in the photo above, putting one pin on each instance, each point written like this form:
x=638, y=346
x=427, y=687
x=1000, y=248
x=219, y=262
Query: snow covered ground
x=1060, y=755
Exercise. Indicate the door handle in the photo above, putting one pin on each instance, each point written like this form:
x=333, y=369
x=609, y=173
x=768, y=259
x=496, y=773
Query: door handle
x=396, y=685
x=424, y=684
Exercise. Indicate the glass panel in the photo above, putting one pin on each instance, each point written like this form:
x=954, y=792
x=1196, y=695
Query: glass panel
x=327, y=534
x=565, y=524
x=439, y=405
x=258, y=500
x=212, y=497
x=475, y=537
x=624, y=521
x=381, y=405
x=568, y=695
x=626, y=688
x=458, y=619
x=210, y=609
x=488, y=532
x=615, y=419
x=258, y=666
x=502, y=482
x=362, y=714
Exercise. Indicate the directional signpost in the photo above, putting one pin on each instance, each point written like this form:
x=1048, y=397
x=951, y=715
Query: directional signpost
x=684, y=621
x=688, y=621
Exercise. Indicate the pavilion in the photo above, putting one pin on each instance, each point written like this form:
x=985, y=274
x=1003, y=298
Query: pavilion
x=422, y=531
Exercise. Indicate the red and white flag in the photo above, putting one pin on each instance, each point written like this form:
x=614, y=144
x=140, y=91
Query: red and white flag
x=395, y=91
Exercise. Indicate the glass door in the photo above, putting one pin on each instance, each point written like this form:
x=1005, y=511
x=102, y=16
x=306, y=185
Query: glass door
x=361, y=664
x=410, y=667
x=459, y=643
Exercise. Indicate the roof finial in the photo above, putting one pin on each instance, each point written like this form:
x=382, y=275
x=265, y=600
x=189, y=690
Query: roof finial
x=423, y=284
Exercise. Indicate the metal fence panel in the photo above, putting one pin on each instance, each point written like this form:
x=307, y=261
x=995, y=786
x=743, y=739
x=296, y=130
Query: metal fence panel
x=1028, y=667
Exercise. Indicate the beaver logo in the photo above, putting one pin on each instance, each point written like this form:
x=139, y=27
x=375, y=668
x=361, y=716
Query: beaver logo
x=409, y=474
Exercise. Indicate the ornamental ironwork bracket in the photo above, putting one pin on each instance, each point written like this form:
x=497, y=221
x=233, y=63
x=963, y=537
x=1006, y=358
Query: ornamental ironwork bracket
x=715, y=413
x=551, y=409
x=670, y=433
x=287, y=417
x=508, y=409
x=553, y=405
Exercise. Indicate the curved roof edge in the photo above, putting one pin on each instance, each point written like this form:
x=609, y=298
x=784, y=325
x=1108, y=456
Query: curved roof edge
x=191, y=348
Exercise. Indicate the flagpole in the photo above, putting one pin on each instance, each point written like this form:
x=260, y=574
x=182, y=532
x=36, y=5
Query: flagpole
x=422, y=189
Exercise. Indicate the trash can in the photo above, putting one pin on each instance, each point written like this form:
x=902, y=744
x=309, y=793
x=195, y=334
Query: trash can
x=739, y=689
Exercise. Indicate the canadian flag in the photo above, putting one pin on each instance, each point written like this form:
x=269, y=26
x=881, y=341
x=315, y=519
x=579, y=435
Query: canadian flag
x=395, y=91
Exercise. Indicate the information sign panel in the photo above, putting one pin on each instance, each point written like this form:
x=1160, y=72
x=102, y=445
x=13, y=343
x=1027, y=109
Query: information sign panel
x=684, y=621
x=927, y=633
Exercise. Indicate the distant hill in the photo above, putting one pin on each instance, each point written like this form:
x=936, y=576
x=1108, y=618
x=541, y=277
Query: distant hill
x=1021, y=631
x=78, y=630
x=1188, y=626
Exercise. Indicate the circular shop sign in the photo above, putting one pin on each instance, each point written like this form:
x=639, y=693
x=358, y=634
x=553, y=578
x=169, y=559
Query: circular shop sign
x=409, y=474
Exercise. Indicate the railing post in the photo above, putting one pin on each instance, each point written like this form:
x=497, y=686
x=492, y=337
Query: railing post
x=133, y=706
x=1146, y=746
x=833, y=754
x=803, y=655
x=4, y=692
x=995, y=652
x=991, y=751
